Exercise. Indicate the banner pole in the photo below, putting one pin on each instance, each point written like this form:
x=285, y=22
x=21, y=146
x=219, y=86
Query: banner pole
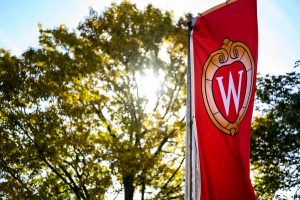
x=189, y=123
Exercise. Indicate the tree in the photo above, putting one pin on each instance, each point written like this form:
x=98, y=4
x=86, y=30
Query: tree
x=275, y=141
x=50, y=143
x=73, y=122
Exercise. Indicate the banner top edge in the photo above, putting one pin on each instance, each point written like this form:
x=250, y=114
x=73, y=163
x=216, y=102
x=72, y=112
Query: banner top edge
x=217, y=7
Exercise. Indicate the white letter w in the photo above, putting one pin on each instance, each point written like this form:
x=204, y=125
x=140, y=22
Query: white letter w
x=231, y=90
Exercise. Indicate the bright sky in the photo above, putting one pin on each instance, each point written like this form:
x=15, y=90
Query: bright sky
x=279, y=24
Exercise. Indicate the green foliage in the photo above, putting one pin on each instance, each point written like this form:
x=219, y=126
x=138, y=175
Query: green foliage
x=275, y=152
x=48, y=146
x=72, y=117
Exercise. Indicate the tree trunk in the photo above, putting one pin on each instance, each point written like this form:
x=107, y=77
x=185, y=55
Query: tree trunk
x=143, y=188
x=128, y=187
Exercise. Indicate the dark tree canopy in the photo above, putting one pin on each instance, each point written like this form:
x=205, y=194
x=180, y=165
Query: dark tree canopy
x=275, y=153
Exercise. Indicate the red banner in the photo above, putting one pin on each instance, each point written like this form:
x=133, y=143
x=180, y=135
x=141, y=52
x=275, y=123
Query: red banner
x=224, y=49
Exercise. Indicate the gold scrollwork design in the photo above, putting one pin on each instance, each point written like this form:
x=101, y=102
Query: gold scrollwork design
x=229, y=52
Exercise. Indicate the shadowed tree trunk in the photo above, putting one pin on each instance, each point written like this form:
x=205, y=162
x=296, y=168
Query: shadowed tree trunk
x=128, y=187
x=143, y=188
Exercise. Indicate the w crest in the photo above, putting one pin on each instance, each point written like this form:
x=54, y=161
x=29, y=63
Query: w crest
x=227, y=85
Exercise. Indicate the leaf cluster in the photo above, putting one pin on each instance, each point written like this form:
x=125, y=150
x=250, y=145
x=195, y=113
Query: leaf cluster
x=275, y=140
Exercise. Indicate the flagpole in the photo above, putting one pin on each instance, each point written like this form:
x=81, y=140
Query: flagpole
x=189, y=123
